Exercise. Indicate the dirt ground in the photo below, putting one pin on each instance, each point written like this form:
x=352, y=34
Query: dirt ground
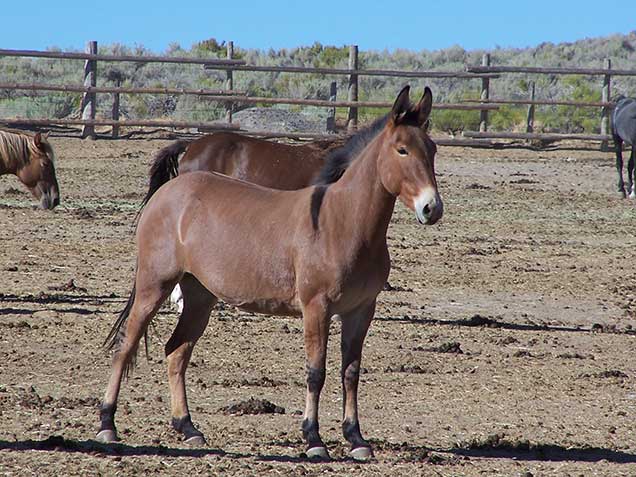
x=504, y=345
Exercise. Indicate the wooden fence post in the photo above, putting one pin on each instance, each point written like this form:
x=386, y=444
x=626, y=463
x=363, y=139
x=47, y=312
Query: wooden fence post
x=229, y=82
x=605, y=97
x=89, y=99
x=115, y=110
x=530, y=116
x=331, y=113
x=352, y=122
x=485, y=94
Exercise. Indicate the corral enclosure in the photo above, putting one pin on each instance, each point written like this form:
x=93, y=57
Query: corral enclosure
x=503, y=345
x=571, y=112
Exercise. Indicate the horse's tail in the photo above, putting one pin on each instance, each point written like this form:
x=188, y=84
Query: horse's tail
x=118, y=332
x=164, y=167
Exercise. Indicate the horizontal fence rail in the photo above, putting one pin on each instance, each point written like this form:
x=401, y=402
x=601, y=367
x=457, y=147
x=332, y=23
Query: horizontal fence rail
x=135, y=59
x=545, y=102
x=344, y=104
x=229, y=97
x=536, y=136
x=549, y=70
x=359, y=72
x=118, y=89
x=211, y=126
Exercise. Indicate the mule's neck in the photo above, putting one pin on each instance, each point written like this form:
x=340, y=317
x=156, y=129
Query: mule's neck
x=360, y=200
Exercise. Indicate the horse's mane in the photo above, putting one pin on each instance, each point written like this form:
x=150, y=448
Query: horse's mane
x=338, y=160
x=21, y=147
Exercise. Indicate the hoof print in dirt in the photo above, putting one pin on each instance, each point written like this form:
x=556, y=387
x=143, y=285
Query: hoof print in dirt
x=253, y=406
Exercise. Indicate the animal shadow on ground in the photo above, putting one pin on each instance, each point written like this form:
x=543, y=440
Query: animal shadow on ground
x=52, y=298
x=493, y=447
x=486, y=322
x=498, y=447
x=60, y=444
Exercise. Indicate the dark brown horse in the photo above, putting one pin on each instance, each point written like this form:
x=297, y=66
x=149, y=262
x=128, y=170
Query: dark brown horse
x=269, y=164
x=315, y=252
x=33, y=161
x=266, y=163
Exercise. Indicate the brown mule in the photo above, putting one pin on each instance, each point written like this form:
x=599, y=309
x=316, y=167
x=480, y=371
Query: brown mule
x=269, y=164
x=315, y=252
x=31, y=159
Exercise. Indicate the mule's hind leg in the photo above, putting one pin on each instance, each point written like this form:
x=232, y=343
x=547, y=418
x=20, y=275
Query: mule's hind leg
x=354, y=330
x=618, y=144
x=197, y=305
x=146, y=300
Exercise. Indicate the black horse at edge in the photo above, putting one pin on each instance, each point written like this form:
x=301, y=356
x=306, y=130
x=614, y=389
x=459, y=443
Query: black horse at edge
x=624, y=130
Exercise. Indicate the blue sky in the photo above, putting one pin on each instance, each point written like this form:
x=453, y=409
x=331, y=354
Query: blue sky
x=371, y=24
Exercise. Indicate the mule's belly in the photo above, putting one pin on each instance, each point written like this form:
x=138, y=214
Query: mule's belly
x=265, y=306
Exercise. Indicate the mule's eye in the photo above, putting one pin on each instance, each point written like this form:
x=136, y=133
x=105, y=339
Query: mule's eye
x=402, y=151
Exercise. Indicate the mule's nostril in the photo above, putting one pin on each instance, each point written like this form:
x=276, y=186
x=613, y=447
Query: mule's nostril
x=426, y=209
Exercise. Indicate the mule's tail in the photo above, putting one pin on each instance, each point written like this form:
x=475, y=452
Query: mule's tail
x=165, y=167
x=118, y=332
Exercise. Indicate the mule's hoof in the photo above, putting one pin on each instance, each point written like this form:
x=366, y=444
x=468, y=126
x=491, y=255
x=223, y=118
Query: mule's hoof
x=107, y=436
x=195, y=441
x=362, y=453
x=318, y=453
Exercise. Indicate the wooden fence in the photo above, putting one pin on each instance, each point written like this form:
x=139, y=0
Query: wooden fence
x=229, y=97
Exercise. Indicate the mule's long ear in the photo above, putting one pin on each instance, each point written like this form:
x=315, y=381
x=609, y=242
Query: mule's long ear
x=424, y=107
x=401, y=105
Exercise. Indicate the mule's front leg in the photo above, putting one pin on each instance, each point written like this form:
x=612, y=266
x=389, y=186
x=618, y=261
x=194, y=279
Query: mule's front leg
x=316, y=329
x=354, y=330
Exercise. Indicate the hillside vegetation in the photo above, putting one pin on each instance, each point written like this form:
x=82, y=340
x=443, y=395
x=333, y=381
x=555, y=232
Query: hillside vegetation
x=583, y=53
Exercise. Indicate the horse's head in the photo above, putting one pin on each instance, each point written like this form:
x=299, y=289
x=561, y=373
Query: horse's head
x=407, y=158
x=38, y=174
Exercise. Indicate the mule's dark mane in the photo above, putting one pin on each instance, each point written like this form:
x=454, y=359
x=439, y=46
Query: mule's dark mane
x=338, y=160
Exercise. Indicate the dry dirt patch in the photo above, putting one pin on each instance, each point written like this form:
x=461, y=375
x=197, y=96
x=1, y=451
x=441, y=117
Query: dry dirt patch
x=530, y=275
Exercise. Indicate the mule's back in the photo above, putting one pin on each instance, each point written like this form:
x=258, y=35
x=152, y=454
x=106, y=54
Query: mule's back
x=624, y=120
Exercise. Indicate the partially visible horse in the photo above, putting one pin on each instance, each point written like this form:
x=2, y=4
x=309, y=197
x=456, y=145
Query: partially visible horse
x=32, y=159
x=315, y=252
x=266, y=163
x=624, y=130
